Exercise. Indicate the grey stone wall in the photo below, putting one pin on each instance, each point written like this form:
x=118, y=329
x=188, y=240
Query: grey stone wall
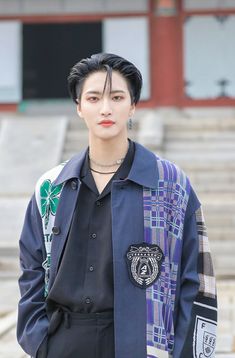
x=53, y=7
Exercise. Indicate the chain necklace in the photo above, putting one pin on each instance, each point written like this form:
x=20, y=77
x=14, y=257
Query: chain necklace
x=117, y=162
x=96, y=171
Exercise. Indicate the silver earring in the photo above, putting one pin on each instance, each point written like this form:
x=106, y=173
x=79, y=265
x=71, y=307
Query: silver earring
x=130, y=124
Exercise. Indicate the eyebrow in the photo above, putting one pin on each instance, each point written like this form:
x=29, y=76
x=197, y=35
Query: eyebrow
x=98, y=92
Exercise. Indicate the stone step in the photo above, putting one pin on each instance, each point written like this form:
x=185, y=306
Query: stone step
x=205, y=146
x=9, y=297
x=81, y=142
x=203, y=166
x=75, y=135
x=223, y=220
x=221, y=233
x=11, y=222
x=200, y=123
x=9, y=346
x=226, y=321
x=225, y=346
x=217, y=203
x=220, y=221
x=178, y=157
x=189, y=135
x=28, y=147
x=223, y=247
x=219, y=211
x=213, y=187
x=76, y=145
x=215, y=210
x=208, y=176
x=68, y=155
x=76, y=124
x=210, y=113
x=7, y=322
x=215, y=199
x=221, y=271
x=223, y=253
x=9, y=249
x=9, y=267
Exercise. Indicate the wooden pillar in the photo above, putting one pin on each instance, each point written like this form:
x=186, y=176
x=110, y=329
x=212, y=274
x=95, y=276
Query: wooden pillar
x=166, y=57
x=8, y=107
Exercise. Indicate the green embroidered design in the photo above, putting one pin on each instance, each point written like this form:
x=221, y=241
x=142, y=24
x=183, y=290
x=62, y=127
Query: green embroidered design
x=49, y=199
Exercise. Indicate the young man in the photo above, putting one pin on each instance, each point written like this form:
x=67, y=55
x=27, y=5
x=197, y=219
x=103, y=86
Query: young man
x=114, y=250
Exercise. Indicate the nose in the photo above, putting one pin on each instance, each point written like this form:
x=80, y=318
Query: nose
x=106, y=108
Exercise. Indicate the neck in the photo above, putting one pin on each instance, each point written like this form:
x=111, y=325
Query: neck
x=107, y=151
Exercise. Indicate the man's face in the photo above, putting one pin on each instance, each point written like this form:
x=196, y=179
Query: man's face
x=105, y=112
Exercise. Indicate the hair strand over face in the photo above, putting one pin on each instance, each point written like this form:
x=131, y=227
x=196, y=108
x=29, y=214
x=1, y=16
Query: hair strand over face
x=108, y=63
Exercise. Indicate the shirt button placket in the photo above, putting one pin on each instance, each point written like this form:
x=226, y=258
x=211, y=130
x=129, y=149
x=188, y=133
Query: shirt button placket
x=91, y=268
x=88, y=300
x=56, y=230
x=74, y=185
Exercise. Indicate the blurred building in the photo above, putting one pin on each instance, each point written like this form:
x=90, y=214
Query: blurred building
x=184, y=48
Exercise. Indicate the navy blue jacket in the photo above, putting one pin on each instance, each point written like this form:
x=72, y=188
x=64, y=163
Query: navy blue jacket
x=127, y=228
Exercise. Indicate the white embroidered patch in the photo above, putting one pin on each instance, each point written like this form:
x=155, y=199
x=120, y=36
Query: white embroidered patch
x=204, y=338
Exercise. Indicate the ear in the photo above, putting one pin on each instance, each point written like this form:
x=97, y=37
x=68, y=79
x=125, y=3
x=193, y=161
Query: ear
x=132, y=110
x=79, y=110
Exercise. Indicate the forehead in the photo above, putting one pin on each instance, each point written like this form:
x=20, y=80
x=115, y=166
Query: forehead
x=96, y=81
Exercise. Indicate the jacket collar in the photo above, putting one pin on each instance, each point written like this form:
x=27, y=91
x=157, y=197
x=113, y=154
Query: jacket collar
x=71, y=169
x=144, y=169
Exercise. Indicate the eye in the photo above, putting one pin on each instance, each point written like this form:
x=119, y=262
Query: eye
x=93, y=99
x=117, y=98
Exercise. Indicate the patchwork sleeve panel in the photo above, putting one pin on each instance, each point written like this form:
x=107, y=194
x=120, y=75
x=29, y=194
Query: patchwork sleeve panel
x=205, y=267
x=201, y=338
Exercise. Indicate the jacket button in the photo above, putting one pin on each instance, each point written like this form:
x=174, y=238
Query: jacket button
x=74, y=185
x=56, y=230
x=88, y=300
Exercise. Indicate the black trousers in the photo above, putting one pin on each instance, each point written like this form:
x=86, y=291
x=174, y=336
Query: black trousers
x=76, y=335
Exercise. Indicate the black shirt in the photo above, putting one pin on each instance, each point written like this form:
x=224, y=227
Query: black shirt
x=84, y=282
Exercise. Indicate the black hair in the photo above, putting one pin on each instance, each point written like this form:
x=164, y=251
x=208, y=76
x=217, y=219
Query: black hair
x=104, y=62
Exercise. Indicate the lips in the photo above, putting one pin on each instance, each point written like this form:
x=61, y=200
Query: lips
x=106, y=123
